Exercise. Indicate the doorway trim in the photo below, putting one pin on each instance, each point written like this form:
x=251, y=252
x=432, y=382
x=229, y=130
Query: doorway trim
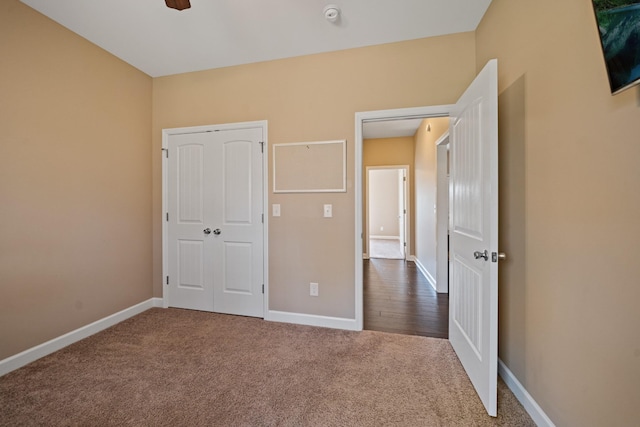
x=406, y=202
x=166, y=133
x=360, y=119
x=442, y=214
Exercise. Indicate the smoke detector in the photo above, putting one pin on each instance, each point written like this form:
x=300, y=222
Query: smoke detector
x=331, y=12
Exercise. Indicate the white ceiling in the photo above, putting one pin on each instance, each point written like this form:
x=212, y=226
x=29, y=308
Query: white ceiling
x=220, y=33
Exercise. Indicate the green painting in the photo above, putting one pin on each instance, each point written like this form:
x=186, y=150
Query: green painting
x=619, y=27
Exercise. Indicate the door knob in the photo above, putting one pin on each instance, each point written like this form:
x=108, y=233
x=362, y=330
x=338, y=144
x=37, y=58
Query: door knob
x=207, y=231
x=498, y=256
x=484, y=255
x=217, y=231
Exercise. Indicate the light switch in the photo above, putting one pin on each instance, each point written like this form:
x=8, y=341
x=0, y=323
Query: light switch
x=276, y=209
x=328, y=211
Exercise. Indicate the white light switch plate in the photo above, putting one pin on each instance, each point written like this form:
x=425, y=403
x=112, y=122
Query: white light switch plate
x=276, y=209
x=328, y=211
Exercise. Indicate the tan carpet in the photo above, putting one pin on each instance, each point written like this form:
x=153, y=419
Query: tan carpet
x=187, y=368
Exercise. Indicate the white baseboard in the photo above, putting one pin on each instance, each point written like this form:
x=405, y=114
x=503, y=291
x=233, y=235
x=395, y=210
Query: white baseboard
x=385, y=237
x=531, y=406
x=426, y=274
x=311, y=320
x=24, y=358
x=407, y=257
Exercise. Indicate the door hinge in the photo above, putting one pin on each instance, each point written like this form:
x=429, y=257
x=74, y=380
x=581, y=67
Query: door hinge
x=263, y=288
x=167, y=280
x=405, y=211
x=404, y=244
x=404, y=178
x=167, y=216
x=263, y=218
x=261, y=146
x=166, y=152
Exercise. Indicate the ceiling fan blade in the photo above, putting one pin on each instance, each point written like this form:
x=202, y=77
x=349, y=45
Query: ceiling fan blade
x=178, y=4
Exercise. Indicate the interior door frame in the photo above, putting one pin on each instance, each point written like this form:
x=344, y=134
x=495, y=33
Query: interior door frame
x=406, y=201
x=360, y=119
x=166, y=133
x=442, y=214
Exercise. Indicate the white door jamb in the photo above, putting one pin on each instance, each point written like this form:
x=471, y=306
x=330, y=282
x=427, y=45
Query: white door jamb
x=442, y=215
x=372, y=116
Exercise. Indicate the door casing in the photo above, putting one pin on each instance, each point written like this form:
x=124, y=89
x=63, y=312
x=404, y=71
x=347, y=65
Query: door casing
x=406, y=201
x=360, y=119
x=166, y=133
x=442, y=214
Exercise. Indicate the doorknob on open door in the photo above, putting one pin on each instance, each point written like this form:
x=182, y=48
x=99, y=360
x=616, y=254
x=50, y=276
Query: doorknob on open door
x=484, y=255
x=207, y=231
x=498, y=256
x=217, y=231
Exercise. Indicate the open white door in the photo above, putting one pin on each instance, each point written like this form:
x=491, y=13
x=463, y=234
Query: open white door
x=473, y=299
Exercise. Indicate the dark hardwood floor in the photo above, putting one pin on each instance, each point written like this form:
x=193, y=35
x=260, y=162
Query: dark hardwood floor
x=398, y=299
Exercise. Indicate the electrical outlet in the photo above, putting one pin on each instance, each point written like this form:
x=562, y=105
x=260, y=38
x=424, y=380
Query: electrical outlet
x=313, y=289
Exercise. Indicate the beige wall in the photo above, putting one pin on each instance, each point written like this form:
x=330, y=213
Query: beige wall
x=389, y=152
x=311, y=98
x=426, y=190
x=75, y=181
x=569, y=213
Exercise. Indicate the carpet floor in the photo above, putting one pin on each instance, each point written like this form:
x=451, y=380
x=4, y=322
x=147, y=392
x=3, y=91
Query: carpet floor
x=187, y=368
x=385, y=248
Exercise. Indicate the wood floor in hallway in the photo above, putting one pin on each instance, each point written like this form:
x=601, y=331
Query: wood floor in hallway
x=398, y=299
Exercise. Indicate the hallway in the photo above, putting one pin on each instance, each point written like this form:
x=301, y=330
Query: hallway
x=398, y=299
